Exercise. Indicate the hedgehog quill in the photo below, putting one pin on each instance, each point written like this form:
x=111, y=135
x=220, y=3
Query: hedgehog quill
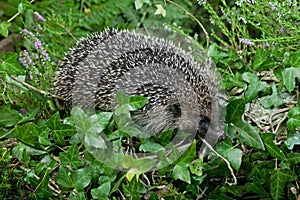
x=181, y=92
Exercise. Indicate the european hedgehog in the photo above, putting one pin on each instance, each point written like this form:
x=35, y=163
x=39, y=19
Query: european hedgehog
x=181, y=91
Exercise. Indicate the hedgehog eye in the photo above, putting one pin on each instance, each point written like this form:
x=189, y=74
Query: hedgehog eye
x=175, y=109
x=203, y=125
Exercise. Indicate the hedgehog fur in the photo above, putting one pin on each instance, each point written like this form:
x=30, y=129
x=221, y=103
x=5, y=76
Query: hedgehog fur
x=181, y=91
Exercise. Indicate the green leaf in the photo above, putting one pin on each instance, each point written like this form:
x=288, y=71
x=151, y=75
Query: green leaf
x=214, y=53
x=9, y=117
x=22, y=7
x=138, y=4
x=260, y=57
x=256, y=187
x=77, y=179
x=102, y=191
x=275, y=99
x=197, y=167
x=253, y=87
x=273, y=150
x=103, y=120
x=71, y=157
x=235, y=80
x=249, y=135
x=235, y=110
x=122, y=98
x=182, y=172
x=188, y=156
x=63, y=177
x=137, y=166
x=289, y=77
x=60, y=131
x=149, y=146
x=94, y=140
x=90, y=127
x=293, y=158
x=77, y=196
x=134, y=132
x=278, y=181
x=233, y=155
x=160, y=10
x=4, y=28
x=43, y=137
x=295, y=59
x=292, y=141
x=29, y=134
x=30, y=115
x=117, y=184
x=20, y=148
x=10, y=64
x=137, y=102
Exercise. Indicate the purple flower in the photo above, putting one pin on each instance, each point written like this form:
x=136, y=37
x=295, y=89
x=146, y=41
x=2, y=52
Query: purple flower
x=267, y=44
x=246, y=41
x=228, y=20
x=38, y=45
x=25, y=58
x=40, y=49
x=39, y=17
x=22, y=111
x=28, y=33
x=273, y=7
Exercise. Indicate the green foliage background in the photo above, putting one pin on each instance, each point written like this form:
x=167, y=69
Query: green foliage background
x=255, y=46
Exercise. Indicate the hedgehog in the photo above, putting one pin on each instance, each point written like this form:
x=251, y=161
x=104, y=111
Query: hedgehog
x=181, y=91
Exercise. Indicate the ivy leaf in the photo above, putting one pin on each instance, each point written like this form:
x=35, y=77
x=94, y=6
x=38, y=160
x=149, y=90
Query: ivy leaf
x=289, y=77
x=235, y=110
x=273, y=150
x=121, y=97
x=292, y=141
x=102, y=191
x=4, y=28
x=256, y=187
x=293, y=158
x=253, y=87
x=103, y=120
x=10, y=64
x=8, y=116
x=231, y=81
x=71, y=156
x=60, y=131
x=30, y=133
x=137, y=166
x=137, y=102
x=160, y=10
x=188, y=156
x=275, y=99
x=249, y=135
x=77, y=179
x=149, y=146
x=294, y=119
x=233, y=155
x=278, y=181
x=182, y=172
